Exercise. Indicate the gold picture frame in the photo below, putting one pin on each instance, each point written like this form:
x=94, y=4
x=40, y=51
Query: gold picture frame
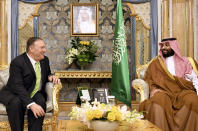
x=84, y=19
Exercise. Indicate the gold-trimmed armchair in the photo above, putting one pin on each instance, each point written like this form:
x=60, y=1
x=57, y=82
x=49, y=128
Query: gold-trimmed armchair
x=139, y=84
x=50, y=120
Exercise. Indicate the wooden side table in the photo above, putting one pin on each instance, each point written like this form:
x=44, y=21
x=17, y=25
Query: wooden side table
x=72, y=125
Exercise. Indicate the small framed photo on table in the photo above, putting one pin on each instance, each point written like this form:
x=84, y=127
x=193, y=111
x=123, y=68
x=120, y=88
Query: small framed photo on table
x=84, y=19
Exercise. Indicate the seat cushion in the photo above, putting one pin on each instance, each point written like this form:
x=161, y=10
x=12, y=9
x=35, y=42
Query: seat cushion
x=2, y=109
x=4, y=75
x=3, y=118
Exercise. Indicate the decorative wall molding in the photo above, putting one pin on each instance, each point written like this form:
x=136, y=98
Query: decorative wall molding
x=83, y=74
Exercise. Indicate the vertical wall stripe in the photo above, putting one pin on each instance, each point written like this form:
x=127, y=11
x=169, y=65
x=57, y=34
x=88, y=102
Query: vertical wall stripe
x=133, y=47
x=159, y=23
x=35, y=26
x=154, y=28
x=171, y=18
x=165, y=19
x=195, y=29
x=3, y=33
x=9, y=30
x=14, y=28
x=185, y=30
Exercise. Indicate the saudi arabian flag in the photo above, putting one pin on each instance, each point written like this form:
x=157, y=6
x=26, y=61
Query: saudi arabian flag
x=120, y=86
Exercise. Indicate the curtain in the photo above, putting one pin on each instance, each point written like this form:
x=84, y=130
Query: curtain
x=154, y=23
x=14, y=24
x=14, y=28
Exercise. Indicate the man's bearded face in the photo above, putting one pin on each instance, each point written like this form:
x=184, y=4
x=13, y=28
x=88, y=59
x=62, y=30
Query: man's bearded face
x=166, y=50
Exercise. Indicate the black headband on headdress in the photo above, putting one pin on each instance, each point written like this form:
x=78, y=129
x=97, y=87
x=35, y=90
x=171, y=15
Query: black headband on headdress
x=168, y=39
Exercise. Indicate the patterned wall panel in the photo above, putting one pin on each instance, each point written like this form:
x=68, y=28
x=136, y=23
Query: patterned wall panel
x=143, y=10
x=142, y=45
x=24, y=34
x=54, y=28
x=25, y=12
x=25, y=23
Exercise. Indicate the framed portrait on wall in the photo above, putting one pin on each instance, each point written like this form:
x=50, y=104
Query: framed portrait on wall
x=84, y=19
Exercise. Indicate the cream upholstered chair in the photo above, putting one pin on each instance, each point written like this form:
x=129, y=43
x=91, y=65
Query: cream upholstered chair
x=50, y=120
x=139, y=84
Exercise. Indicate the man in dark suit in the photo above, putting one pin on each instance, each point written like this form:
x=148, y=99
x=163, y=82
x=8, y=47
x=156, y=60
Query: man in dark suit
x=25, y=88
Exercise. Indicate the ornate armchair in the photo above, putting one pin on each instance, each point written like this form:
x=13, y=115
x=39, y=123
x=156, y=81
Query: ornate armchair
x=139, y=84
x=52, y=104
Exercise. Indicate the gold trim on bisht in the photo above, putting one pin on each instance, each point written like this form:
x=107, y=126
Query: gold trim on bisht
x=193, y=65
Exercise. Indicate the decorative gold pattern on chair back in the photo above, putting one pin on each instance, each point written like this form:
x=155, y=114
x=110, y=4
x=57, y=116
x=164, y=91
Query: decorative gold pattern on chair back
x=141, y=69
x=142, y=42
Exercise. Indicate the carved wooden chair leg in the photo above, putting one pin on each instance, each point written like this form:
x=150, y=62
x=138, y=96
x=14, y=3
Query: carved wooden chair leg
x=46, y=128
x=43, y=128
x=53, y=127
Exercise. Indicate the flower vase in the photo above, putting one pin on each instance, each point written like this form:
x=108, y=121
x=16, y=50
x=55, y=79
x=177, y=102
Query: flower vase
x=81, y=67
x=99, y=125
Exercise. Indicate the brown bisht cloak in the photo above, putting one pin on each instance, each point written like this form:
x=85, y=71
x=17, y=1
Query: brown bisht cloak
x=175, y=107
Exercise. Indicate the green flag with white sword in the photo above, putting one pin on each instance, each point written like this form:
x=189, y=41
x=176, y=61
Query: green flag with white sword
x=120, y=85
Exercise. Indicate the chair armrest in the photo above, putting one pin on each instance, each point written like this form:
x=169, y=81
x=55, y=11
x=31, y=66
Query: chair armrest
x=142, y=88
x=49, y=88
x=55, y=99
x=53, y=96
x=4, y=75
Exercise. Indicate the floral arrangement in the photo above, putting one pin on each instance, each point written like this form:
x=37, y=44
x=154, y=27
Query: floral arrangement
x=96, y=111
x=81, y=52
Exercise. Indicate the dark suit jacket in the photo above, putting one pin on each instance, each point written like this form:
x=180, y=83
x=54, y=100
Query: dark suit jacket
x=22, y=79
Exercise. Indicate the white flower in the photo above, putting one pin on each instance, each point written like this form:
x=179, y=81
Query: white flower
x=80, y=113
x=74, y=51
x=71, y=55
